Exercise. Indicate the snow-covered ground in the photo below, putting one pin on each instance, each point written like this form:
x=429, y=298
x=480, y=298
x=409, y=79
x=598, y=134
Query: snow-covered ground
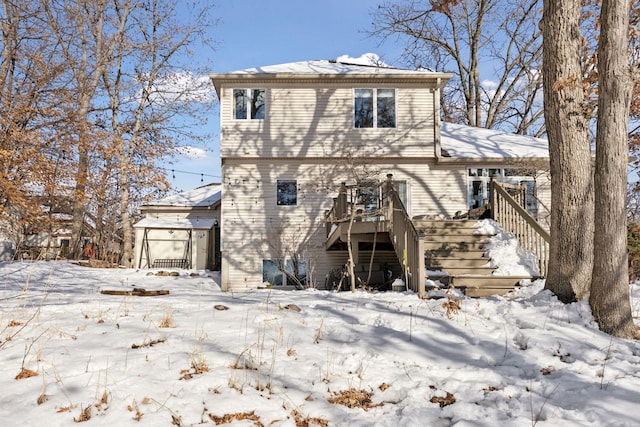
x=284, y=358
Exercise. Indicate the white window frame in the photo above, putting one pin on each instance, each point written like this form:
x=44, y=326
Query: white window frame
x=374, y=106
x=248, y=94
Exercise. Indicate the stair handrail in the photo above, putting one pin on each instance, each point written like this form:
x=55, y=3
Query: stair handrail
x=406, y=240
x=514, y=218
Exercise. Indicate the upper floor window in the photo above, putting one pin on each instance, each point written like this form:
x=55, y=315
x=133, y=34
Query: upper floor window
x=248, y=104
x=374, y=108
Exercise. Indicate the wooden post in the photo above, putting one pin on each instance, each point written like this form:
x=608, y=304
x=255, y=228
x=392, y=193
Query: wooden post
x=389, y=199
x=421, y=267
x=341, y=206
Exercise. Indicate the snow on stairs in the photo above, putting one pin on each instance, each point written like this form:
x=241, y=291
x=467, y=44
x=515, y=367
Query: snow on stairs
x=454, y=254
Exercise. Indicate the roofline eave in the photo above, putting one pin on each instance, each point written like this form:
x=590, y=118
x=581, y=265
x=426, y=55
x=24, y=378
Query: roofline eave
x=436, y=79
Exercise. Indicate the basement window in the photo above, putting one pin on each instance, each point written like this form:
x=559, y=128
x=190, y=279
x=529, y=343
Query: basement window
x=285, y=272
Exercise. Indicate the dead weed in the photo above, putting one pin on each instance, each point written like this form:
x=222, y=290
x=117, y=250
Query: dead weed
x=196, y=369
x=85, y=415
x=353, y=398
x=238, y=416
x=302, y=421
x=449, y=399
x=451, y=306
x=26, y=373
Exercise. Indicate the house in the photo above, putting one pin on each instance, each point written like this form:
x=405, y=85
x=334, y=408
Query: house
x=180, y=231
x=303, y=144
x=45, y=234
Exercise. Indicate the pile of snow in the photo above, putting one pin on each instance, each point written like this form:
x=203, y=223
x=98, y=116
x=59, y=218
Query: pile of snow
x=286, y=358
x=505, y=252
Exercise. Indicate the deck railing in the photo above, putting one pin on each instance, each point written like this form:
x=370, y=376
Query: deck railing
x=364, y=201
x=407, y=241
x=509, y=211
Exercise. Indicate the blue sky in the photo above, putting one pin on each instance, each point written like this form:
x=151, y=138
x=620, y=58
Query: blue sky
x=255, y=33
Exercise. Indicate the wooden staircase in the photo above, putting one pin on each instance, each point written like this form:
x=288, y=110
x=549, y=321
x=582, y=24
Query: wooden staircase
x=451, y=251
x=455, y=255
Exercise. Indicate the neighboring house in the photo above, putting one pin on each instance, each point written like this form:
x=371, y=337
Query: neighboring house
x=292, y=134
x=46, y=235
x=180, y=231
x=7, y=245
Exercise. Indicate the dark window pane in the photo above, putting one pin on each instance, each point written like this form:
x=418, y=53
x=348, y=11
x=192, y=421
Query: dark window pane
x=368, y=197
x=272, y=271
x=296, y=270
x=240, y=104
x=257, y=104
x=287, y=193
x=363, y=108
x=386, y=108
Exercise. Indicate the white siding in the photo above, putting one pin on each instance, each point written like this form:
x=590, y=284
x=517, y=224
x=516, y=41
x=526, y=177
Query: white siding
x=254, y=228
x=312, y=121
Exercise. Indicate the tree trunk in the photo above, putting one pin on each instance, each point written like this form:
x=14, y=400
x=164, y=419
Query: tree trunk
x=571, y=246
x=127, y=229
x=79, y=202
x=609, y=299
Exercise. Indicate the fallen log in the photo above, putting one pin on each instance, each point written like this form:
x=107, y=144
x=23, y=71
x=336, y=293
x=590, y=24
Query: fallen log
x=136, y=292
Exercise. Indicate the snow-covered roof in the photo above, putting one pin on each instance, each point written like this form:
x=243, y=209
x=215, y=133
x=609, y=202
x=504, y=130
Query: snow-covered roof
x=366, y=66
x=467, y=142
x=177, y=223
x=326, y=67
x=204, y=196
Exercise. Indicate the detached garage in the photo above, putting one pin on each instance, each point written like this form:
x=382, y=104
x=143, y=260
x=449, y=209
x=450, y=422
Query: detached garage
x=180, y=231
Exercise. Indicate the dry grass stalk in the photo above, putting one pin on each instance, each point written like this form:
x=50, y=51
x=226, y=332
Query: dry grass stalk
x=197, y=367
x=353, y=398
x=85, y=415
x=318, y=336
x=244, y=360
x=167, y=319
x=134, y=408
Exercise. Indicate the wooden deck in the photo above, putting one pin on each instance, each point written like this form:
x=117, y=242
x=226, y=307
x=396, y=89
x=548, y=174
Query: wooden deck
x=452, y=248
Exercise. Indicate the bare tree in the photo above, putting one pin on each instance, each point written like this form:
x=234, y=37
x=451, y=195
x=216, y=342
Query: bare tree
x=85, y=38
x=498, y=38
x=610, y=299
x=31, y=157
x=149, y=91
